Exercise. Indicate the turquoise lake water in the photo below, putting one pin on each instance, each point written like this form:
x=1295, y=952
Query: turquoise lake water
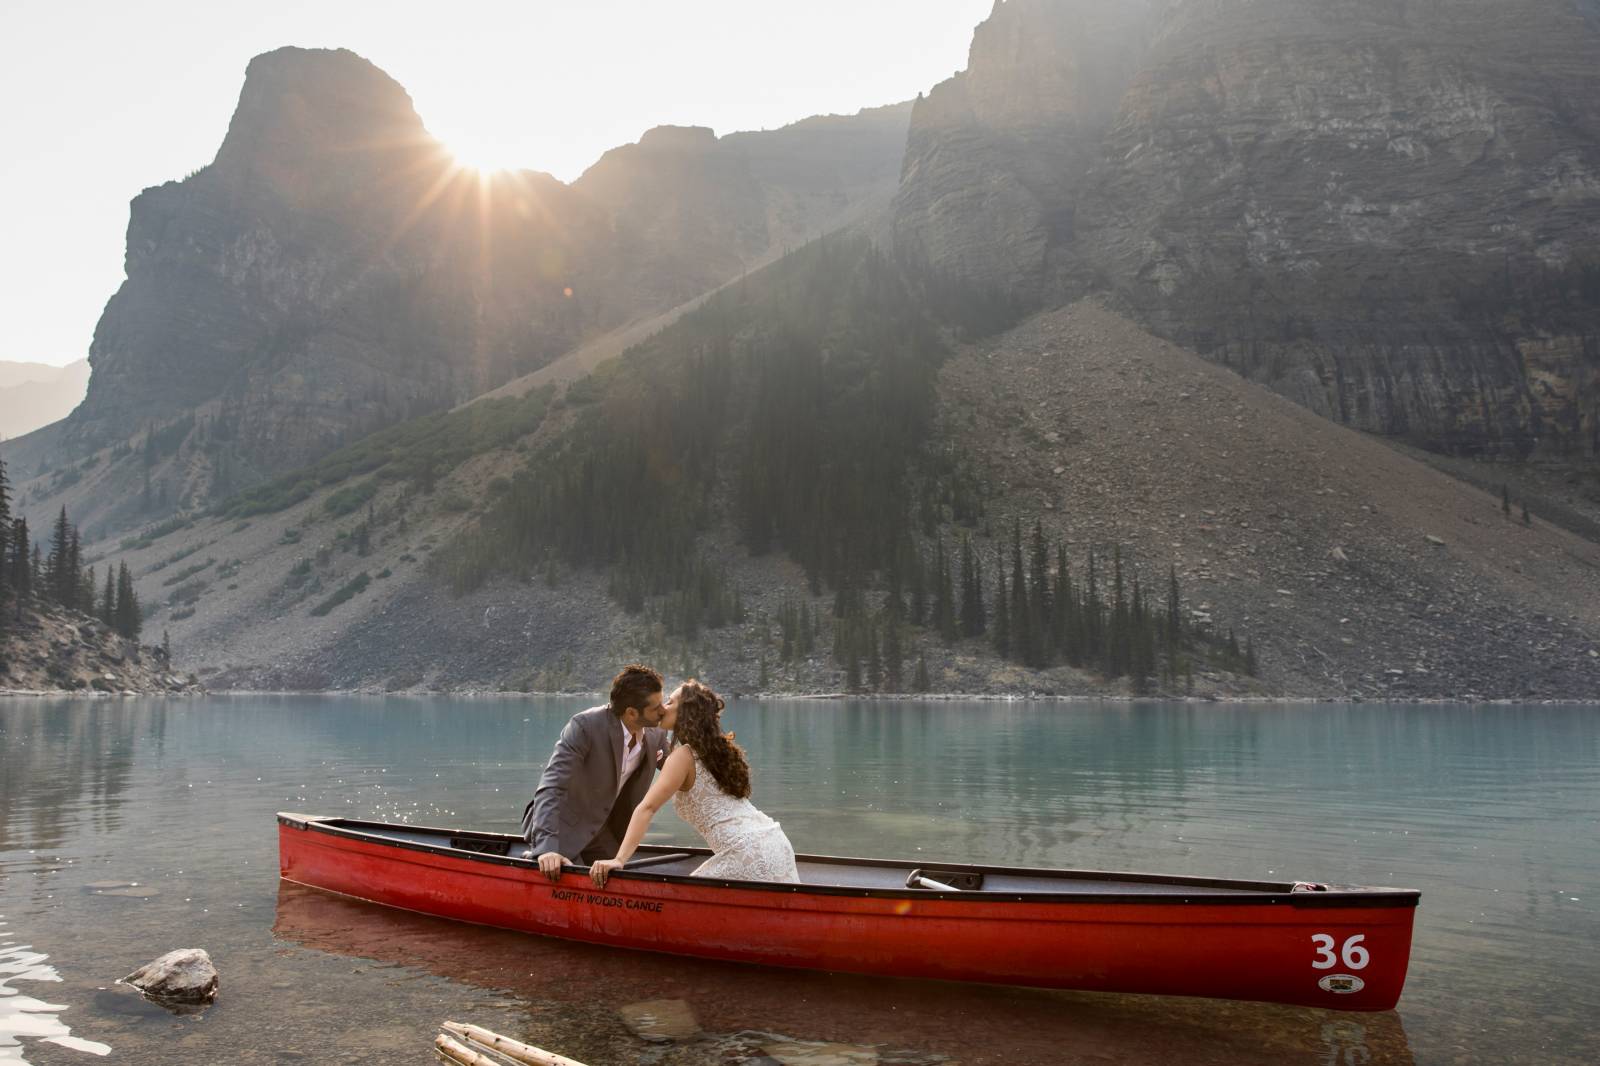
x=167, y=807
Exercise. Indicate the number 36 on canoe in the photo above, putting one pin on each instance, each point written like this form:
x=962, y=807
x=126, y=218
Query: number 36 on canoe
x=1351, y=953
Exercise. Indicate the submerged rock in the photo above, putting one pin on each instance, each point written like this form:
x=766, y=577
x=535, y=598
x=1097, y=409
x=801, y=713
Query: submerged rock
x=809, y=1053
x=184, y=976
x=660, y=1019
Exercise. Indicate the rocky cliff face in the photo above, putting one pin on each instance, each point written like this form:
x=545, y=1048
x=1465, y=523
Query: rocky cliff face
x=329, y=271
x=997, y=155
x=334, y=269
x=1385, y=209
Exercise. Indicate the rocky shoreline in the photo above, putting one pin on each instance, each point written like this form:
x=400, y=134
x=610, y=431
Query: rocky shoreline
x=50, y=651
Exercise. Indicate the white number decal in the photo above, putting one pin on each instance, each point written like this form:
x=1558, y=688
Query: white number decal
x=1354, y=955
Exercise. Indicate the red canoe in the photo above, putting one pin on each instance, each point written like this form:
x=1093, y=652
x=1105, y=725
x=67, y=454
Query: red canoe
x=1322, y=946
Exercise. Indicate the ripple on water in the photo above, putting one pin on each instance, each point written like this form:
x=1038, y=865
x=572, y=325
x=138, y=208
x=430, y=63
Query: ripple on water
x=26, y=1017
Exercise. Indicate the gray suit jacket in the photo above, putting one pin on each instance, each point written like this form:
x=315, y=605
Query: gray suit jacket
x=577, y=810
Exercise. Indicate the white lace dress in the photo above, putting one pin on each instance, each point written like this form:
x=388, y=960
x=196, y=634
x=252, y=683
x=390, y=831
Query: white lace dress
x=748, y=845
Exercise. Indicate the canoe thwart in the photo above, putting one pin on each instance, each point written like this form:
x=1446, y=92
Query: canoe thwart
x=656, y=860
x=480, y=846
x=945, y=880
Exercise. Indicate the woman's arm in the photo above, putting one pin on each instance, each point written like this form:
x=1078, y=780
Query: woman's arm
x=671, y=778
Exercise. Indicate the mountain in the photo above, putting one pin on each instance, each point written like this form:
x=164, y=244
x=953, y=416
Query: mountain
x=1385, y=210
x=714, y=501
x=334, y=270
x=36, y=394
x=1003, y=451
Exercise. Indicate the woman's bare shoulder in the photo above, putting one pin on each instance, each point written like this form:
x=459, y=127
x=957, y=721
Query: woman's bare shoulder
x=682, y=761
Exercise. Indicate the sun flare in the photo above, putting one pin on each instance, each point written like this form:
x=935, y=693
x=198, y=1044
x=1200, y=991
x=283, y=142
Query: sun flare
x=481, y=153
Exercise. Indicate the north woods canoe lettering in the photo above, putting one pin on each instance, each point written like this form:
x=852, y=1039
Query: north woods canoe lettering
x=566, y=895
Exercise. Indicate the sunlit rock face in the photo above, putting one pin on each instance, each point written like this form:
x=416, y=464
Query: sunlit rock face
x=1388, y=210
x=335, y=269
x=997, y=155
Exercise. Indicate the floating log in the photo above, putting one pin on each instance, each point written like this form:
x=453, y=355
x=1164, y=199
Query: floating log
x=515, y=1050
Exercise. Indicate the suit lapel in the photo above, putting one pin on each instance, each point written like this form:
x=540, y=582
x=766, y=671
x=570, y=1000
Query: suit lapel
x=614, y=730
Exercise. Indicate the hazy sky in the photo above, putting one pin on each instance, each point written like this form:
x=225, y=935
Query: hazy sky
x=106, y=98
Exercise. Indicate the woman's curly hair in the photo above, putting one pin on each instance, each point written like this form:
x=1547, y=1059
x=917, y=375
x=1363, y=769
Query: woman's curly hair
x=699, y=726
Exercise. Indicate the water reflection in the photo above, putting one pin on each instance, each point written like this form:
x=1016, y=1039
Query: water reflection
x=26, y=1017
x=66, y=766
x=972, y=1024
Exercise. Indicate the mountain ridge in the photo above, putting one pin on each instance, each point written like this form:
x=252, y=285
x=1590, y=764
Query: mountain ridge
x=333, y=271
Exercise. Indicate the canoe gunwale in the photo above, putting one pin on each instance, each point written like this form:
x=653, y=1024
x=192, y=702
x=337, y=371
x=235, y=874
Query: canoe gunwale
x=1242, y=893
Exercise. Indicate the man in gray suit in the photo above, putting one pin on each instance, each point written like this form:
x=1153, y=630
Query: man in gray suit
x=600, y=770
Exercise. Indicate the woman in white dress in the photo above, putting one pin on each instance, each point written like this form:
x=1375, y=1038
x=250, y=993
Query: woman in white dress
x=709, y=777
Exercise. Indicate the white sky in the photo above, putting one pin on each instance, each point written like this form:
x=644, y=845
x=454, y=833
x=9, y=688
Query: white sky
x=103, y=99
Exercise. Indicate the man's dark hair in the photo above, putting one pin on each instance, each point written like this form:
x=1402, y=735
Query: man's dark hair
x=632, y=687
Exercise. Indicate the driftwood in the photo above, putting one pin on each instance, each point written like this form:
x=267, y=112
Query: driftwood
x=514, y=1050
x=451, y=1051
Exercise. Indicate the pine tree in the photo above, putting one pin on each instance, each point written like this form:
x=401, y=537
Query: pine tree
x=1250, y=665
x=1117, y=637
x=1527, y=519
x=1505, y=500
x=919, y=588
x=166, y=647
x=895, y=603
x=1091, y=614
x=764, y=681
x=21, y=577
x=5, y=537
x=1002, y=608
x=973, y=623
x=129, y=620
x=920, y=682
x=108, y=600
x=1021, y=633
x=874, y=659
x=85, y=599
x=944, y=601
x=1174, y=619
x=1039, y=616
x=893, y=657
x=57, y=587
x=72, y=577
x=1068, y=637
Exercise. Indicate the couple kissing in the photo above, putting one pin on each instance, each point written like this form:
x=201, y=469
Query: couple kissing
x=602, y=787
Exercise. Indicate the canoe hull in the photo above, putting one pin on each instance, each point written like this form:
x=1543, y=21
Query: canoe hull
x=1251, y=951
